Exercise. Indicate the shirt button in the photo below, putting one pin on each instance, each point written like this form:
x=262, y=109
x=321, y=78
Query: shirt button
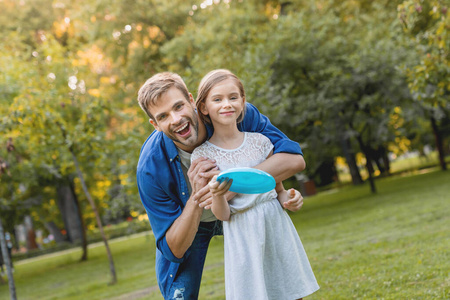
x=170, y=275
x=182, y=193
x=170, y=159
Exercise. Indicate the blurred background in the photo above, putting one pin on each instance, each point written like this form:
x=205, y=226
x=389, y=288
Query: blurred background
x=363, y=86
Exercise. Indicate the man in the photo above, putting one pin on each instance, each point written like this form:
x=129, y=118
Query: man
x=175, y=193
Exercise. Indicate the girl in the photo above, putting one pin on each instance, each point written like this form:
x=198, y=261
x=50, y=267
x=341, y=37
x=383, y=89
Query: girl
x=264, y=257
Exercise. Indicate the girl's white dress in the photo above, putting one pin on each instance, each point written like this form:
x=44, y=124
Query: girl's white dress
x=264, y=257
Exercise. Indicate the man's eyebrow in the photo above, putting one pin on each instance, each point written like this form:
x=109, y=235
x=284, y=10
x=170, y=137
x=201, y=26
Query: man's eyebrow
x=159, y=115
x=173, y=106
x=177, y=103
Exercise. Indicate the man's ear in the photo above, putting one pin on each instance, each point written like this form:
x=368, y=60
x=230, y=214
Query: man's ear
x=191, y=99
x=154, y=124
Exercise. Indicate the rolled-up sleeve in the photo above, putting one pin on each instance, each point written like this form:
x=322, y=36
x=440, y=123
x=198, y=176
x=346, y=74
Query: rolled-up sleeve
x=254, y=121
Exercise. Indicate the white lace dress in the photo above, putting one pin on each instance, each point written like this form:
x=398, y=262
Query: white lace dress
x=264, y=257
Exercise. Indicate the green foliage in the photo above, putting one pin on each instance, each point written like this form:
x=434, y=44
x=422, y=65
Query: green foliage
x=428, y=24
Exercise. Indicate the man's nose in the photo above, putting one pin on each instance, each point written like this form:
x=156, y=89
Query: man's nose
x=176, y=117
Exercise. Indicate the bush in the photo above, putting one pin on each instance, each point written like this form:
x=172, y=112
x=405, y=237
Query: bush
x=93, y=236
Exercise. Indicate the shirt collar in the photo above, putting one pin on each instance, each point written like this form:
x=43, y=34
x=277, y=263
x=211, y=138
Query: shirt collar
x=171, y=149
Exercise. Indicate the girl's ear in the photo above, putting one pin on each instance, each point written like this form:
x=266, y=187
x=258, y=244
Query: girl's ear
x=203, y=109
x=243, y=98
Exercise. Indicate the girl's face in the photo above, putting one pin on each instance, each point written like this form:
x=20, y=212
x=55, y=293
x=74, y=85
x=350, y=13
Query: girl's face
x=224, y=103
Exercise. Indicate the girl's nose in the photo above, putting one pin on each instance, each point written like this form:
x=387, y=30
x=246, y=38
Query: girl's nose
x=226, y=102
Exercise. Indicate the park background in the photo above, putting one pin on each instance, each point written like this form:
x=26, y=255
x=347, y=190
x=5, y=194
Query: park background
x=363, y=86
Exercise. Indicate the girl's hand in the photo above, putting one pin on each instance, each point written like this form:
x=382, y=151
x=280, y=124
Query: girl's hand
x=295, y=200
x=219, y=188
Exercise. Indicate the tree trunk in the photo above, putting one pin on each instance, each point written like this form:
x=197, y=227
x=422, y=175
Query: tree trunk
x=84, y=243
x=97, y=217
x=7, y=260
x=381, y=160
x=30, y=234
x=16, y=240
x=439, y=143
x=351, y=161
x=386, y=162
x=72, y=216
x=369, y=165
x=54, y=230
x=67, y=206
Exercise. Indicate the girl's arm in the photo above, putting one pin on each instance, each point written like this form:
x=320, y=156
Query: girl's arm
x=291, y=200
x=282, y=194
x=220, y=207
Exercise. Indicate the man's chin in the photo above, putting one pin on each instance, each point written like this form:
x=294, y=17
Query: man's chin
x=187, y=144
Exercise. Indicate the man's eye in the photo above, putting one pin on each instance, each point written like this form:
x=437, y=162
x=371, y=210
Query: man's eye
x=162, y=117
x=179, y=106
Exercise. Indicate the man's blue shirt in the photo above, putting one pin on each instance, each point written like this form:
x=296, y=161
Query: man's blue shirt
x=164, y=191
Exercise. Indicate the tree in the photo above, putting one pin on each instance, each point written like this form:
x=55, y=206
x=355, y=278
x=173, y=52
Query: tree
x=7, y=259
x=428, y=23
x=63, y=124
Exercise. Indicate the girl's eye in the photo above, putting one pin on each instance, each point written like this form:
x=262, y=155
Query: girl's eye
x=216, y=99
x=233, y=98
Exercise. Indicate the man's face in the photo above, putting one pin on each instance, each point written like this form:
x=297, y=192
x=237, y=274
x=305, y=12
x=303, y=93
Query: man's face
x=175, y=116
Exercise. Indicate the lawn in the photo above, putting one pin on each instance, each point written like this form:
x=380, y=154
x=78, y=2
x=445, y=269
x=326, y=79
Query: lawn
x=391, y=245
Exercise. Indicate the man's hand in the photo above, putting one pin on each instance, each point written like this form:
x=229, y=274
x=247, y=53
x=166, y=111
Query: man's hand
x=200, y=172
x=295, y=200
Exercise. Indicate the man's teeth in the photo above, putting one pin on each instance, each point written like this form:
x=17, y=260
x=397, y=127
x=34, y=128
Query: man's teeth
x=182, y=128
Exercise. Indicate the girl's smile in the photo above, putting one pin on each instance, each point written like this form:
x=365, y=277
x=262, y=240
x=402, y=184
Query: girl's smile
x=224, y=103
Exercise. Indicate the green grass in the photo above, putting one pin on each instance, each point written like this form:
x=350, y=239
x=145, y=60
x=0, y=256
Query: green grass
x=391, y=245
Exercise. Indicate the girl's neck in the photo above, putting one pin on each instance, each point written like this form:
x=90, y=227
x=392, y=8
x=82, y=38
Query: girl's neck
x=227, y=137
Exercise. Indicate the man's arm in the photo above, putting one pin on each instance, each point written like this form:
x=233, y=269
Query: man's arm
x=283, y=165
x=287, y=159
x=181, y=234
x=173, y=225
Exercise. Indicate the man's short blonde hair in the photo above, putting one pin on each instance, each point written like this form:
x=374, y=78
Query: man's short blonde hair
x=152, y=90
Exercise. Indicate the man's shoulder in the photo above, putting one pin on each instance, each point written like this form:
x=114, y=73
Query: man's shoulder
x=153, y=152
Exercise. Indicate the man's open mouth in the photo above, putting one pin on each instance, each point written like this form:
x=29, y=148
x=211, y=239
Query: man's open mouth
x=184, y=130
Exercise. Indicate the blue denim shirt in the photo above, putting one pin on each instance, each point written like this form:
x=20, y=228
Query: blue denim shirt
x=164, y=191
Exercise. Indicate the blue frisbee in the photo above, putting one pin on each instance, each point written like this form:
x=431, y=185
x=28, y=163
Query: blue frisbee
x=248, y=180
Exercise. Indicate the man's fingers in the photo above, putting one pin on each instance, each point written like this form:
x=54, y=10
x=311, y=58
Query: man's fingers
x=201, y=165
x=211, y=173
x=200, y=194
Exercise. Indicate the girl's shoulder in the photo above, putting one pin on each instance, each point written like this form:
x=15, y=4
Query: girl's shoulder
x=256, y=136
x=200, y=151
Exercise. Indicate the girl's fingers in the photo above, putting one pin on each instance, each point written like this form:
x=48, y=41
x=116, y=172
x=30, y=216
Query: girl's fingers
x=291, y=193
